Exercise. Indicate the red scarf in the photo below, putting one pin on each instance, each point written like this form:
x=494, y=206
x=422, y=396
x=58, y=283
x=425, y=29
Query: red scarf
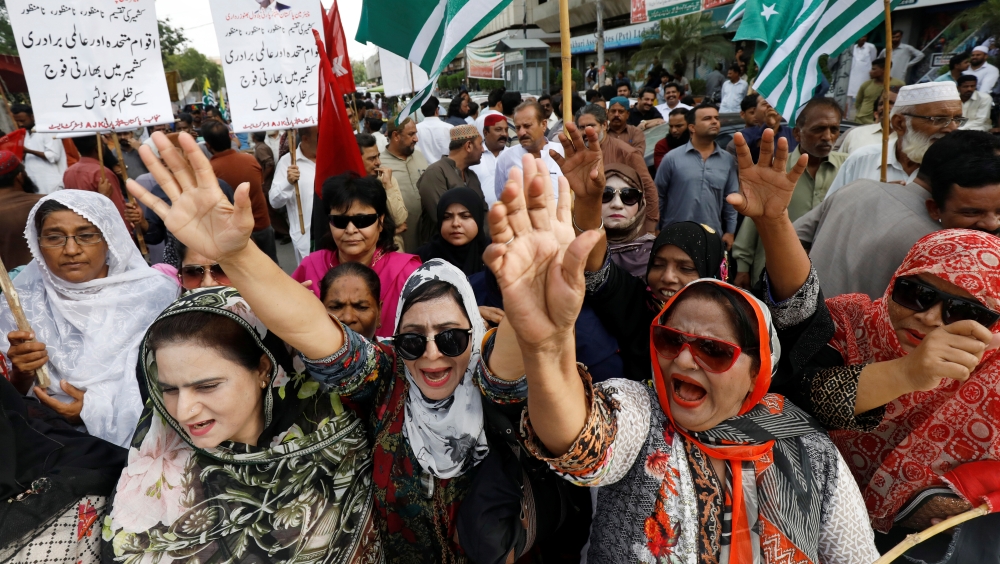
x=924, y=434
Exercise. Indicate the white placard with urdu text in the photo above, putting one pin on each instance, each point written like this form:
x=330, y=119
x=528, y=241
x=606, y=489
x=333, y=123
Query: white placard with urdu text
x=91, y=65
x=270, y=60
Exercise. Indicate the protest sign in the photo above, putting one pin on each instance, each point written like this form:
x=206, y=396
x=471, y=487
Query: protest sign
x=270, y=60
x=91, y=65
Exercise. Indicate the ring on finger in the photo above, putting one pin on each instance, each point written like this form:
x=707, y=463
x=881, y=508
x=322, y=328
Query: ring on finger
x=512, y=237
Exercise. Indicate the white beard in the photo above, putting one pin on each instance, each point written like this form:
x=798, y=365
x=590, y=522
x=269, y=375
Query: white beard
x=915, y=144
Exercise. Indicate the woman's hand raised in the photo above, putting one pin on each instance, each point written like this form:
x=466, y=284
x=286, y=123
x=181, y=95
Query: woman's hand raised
x=765, y=187
x=537, y=259
x=198, y=214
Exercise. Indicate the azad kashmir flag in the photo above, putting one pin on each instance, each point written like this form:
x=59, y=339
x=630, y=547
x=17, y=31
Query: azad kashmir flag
x=430, y=33
x=207, y=96
x=791, y=35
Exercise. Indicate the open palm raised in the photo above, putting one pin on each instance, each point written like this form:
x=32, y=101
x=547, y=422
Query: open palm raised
x=536, y=257
x=766, y=187
x=198, y=214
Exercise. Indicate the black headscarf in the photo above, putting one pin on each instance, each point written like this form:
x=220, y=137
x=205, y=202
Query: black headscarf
x=468, y=257
x=699, y=241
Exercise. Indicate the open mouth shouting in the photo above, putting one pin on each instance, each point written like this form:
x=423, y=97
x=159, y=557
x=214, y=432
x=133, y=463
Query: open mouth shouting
x=686, y=392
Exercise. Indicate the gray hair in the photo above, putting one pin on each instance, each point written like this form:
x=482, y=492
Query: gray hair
x=599, y=113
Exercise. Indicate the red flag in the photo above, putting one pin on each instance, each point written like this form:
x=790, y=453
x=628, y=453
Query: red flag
x=14, y=142
x=336, y=49
x=337, y=150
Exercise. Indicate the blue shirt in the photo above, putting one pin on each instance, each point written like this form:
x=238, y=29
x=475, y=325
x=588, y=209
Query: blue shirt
x=695, y=189
x=752, y=136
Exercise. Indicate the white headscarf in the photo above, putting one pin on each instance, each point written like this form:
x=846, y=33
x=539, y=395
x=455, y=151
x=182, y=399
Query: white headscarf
x=447, y=436
x=92, y=330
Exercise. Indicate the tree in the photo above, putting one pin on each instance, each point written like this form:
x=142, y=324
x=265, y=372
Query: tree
x=192, y=64
x=683, y=39
x=8, y=45
x=171, y=39
x=360, y=74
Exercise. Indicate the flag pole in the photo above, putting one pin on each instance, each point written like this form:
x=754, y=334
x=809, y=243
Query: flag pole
x=567, y=72
x=14, y=304
x=295, y=185
x=886, y=78
x=143, y=249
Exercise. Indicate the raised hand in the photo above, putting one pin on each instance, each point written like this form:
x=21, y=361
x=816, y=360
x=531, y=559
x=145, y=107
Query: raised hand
x=765, y=187
x=199, y=214
x=536, y=258
x=583, y=165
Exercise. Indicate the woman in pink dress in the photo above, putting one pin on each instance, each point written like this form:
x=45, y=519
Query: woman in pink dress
x=362, y=231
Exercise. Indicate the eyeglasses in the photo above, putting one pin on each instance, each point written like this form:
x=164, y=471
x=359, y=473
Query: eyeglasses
x=360, y=221
x=941, y=121
x=83, y=239
x=452, y=342
x=629, y=196
x=918, y=296
x=191, y=275
x=713, y=355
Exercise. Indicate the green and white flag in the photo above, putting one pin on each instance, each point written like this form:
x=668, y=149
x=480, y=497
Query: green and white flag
x=430, y=33
x=792, y=35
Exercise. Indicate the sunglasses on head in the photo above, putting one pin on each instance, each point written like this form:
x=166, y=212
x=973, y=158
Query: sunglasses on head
x=916, y=295
x=191, y=275
x=451, y=342
x=629, y=196
x=360, y=221
x=713, y=355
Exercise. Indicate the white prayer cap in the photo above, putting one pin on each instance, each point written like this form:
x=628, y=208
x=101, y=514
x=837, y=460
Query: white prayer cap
x=926, y=93
x=981, y=49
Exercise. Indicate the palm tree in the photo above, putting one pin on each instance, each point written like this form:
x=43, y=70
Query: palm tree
x=983, y=20
x=685, y=38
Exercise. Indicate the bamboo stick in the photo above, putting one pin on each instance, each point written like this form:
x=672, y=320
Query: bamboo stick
x=295, y=185
x=917, y=538
x=42, y=374
x=567, y=71
x=886, y=80
x=131, y=199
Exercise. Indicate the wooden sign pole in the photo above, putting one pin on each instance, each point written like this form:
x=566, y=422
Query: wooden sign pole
x=42, y=374
x=298, y=197
x=131, y=199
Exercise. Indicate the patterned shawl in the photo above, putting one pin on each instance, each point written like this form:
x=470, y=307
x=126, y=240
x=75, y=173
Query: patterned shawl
x=923, y=434
x=304, y=494
x=774, y=500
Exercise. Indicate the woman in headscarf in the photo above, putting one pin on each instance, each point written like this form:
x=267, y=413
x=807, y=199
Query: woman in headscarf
x=420, y=395
x=238, y=457
x=361, y=230
x=907, y=382
x=88, y=296
x=705, y=465
x=623, y=210
x=459, y=237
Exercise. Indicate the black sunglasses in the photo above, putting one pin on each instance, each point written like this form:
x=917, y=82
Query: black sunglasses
x=629, y=196
x=360, y=221
x=452, y=342
x=913, y=294
x=191, y=275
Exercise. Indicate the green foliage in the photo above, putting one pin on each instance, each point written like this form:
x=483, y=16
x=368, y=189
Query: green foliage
x=8, y=46
x=451, y=81
x=576, y=75
x=486, y=85
x=985, y=16
x=683, y=39
x=359, y=72
x=697, y=86
x=192, y=64
x=171, y=39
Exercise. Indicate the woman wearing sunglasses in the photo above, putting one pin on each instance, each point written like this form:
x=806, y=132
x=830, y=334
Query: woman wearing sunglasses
x=88, y=296
x=623, y=211
x=907, y=381
x=197, y=271
x=420, y=395
x=361, y=230
x=705, y=465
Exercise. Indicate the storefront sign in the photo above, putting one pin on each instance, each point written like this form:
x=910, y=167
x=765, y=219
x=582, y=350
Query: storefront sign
x=710, y=4
x=484, y=62
x=618, y=38
x=651, y=10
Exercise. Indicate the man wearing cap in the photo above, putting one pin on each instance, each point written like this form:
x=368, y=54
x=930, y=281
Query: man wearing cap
x=923, y=114
x=494, y=106
x=871, y=134
x=530, y=123
x=618, y=127
x=984, y=72
x=976, y=106
x=495, y=143
x=432, y=133
x=15, y=204
x=464, y=151
x=903, y=56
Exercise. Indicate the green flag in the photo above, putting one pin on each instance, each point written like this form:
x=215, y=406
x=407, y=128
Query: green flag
x=792, y=35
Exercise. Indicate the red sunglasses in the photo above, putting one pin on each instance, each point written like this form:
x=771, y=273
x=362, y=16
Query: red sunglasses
x=713, y=355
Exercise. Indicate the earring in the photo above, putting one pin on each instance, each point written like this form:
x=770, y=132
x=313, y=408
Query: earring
x=263, y=384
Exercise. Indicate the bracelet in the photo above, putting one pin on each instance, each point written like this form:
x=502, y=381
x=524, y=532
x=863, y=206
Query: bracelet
x=581, y=230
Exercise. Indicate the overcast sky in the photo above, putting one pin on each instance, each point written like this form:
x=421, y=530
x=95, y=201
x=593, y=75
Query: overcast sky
x=194, y=17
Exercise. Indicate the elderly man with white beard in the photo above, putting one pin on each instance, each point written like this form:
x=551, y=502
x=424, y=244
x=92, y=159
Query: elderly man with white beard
x=923, y=114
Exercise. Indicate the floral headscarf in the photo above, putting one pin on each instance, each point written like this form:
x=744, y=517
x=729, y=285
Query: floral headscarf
x=924, y=434
x=305, y=492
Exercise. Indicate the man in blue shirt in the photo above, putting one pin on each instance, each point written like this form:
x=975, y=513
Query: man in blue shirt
x=767, y=118
x=693, y=180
